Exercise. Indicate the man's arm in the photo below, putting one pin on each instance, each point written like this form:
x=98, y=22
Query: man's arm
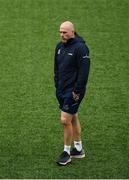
x=83, y=69
x=55, y=70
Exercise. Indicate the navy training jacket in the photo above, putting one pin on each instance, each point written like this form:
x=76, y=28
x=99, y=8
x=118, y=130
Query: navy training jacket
x=72, y=64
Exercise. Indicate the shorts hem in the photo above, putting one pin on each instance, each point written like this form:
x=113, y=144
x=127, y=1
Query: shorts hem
x=68, y=111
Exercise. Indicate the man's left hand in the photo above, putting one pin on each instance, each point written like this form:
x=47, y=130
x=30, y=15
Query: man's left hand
x=75, y=96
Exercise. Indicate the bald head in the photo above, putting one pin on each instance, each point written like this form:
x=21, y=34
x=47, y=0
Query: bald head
x=68, y=25
x=67, y=31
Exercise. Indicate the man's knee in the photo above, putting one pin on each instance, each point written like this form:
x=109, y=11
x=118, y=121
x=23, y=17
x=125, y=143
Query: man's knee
x=66, y=119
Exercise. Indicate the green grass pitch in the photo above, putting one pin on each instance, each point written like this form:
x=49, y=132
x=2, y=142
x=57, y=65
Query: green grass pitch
x=31, y=136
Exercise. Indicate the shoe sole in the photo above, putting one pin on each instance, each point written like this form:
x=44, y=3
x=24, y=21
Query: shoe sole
x=63, y=164
x=78, y=156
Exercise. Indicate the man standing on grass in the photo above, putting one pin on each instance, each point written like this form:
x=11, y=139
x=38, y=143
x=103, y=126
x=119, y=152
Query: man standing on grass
x=71, y=70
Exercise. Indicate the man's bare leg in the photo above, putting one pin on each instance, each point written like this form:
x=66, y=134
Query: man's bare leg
x=65, y=157
x=78, y=152
x=76, y=128
x=66, y=120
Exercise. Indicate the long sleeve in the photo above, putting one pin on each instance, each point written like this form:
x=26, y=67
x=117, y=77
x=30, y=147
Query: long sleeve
x=83, y=61
x=55, y=70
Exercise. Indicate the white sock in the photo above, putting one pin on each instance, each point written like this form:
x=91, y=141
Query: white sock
x=67, y=149
x=78, y=145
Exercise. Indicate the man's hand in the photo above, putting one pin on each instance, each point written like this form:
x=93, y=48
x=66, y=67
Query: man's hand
x=75, y=96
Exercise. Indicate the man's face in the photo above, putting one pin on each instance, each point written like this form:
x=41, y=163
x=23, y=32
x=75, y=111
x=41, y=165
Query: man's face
x=66, y=34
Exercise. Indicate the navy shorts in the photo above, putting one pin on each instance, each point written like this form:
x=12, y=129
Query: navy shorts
x=67, y=103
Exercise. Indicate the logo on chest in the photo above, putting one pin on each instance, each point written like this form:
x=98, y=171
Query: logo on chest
x=70, y=54
x=64, y=52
